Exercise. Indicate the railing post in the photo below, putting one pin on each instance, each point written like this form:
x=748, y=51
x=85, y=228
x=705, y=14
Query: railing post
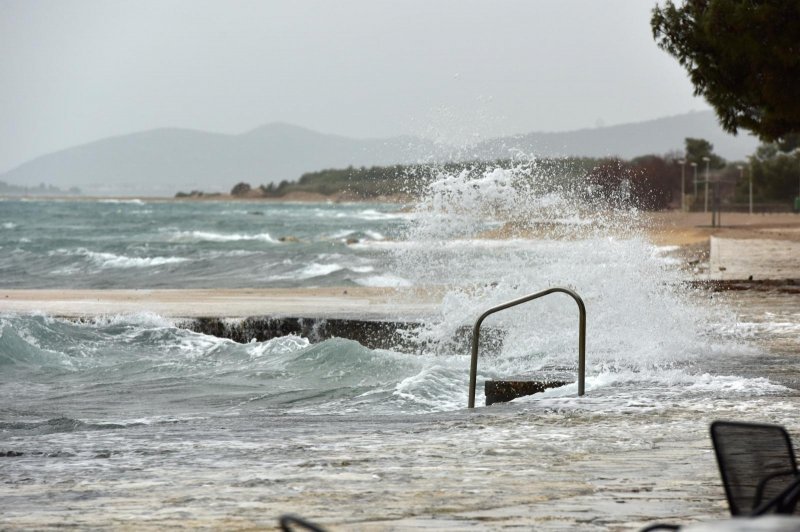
x=476, y=331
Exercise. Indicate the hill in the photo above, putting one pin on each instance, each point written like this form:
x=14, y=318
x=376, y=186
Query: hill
x=164, y=161
x=658, y=136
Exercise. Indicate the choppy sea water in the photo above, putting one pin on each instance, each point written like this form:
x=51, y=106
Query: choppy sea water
x=129, y=421
x=136, y=244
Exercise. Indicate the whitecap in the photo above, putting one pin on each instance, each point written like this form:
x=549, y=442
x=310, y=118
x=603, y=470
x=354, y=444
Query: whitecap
x=9, y=225
x=222, y=237
x=384, y=281
x=341, y=234
x=111, y=260
x=142, y=319
x=374, y=235
x=318, y=270
x=134, y=201
x=373, y=215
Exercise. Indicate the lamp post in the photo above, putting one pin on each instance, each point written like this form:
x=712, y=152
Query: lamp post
x=750, y=184
x=683, y=180
x=694, y=165
x=707, y=160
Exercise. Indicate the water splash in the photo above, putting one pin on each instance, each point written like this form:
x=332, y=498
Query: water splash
x=487, y=234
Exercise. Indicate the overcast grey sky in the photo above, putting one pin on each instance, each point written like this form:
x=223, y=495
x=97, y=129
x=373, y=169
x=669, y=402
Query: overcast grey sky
x=74, y=71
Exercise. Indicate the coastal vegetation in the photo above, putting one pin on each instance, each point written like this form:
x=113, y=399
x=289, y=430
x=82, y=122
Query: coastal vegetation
x=743, y=58
x=651, y=182
x=775, y=173
x=7, y=189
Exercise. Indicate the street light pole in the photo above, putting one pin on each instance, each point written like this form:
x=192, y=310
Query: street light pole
x=707, y=160
x=741, y=176
x=683, y=181
x=694, y=165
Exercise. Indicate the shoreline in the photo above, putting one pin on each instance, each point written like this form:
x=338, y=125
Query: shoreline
x=759, y=252
x=291, y=197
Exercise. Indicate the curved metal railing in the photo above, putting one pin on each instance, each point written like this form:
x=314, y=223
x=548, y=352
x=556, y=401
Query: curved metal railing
x=476, y=331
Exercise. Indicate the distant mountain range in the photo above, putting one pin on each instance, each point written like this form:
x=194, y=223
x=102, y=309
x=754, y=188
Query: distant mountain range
x=164, y=161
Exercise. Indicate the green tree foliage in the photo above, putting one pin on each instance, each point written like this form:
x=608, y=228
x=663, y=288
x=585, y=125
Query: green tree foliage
x=696, y=149
x=775, y=174
x=648, y=182
x=789, y=143
x=743, y=56
x=359, y=182
x=240, y=189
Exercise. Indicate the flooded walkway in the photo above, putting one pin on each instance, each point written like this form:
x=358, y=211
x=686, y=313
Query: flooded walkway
x=754, y=258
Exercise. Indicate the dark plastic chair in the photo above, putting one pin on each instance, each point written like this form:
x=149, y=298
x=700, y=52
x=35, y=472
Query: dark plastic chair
x=758, y=467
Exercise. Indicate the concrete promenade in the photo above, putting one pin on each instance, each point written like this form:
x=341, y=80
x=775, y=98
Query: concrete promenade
x=371, y=304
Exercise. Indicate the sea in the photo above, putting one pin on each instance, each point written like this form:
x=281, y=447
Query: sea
x=131, y=422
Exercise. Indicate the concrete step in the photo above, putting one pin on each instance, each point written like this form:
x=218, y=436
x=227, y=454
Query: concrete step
x=504, y=391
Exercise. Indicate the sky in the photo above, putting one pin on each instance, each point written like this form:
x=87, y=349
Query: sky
x=75, y=71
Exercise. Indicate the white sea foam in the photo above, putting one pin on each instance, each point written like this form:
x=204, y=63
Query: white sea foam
x=373, y=215
x=9, y=225
x=272, y=350
x=111, y=260
x=344, y=233
x=374, y=235
x=134, y=201
x=384, y=281
x=318, y=270
x=370, y=215
x=777, y=326
x=222, y=237
x=639, y=319
x=141, y=319
x=458, y=244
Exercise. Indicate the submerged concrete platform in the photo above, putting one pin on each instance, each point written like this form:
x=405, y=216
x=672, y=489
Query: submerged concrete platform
x=503, y=391
x=754, y=258
x=374, y=317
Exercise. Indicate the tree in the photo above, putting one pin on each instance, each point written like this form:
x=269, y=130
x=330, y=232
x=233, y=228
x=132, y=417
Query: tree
x=774, y=172
x=775, y=178
x=240, y=189
x=743, y=56
x=696, y=149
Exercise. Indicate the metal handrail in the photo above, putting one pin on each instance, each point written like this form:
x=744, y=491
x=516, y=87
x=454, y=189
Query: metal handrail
x=476, y=331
